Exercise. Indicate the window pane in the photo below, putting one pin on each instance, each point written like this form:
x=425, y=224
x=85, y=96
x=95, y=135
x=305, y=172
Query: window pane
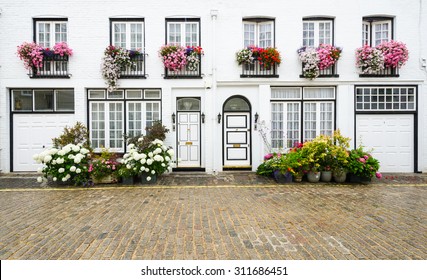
x=136, y=36
x=119, y=35
x=174, y=36
x=44, y=35
x=43, y=100
x=65, y=100
x=22, y=100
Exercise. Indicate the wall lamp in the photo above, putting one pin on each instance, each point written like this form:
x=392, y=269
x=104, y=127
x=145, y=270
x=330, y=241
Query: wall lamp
x=203, y=117
x=256, y=120
x=173, y=121
x=219, y=117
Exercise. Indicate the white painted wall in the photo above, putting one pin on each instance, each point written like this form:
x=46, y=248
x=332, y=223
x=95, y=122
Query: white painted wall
x=88, y=36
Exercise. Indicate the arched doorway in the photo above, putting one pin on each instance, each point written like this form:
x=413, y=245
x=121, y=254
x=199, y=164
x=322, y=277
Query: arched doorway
x=237, y=133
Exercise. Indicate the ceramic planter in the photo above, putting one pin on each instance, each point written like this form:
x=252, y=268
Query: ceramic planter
x=128, y=180
x=282, y=178
x=147, y=178
x=340, y=176
x=109, y=179
x=326, y=176
x=352, y=178
x=313, y=177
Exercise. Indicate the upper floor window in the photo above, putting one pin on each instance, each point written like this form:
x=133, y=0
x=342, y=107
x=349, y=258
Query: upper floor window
x=183, y=31
x=127, y=33
x=317, y=31
x=376, y=30
x=49, y=31
x=258, y=32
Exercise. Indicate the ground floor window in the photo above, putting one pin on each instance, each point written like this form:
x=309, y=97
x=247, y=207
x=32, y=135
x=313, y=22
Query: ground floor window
x=299, y=114
x=122, y=112
x=42, y=100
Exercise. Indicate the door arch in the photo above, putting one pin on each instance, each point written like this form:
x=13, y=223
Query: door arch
x=237, y=132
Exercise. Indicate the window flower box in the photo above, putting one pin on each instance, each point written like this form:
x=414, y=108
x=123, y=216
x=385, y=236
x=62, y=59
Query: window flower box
x=45, y=62
x=258, y=62
x=381, y=61
x=319, y=62
x=181, y=62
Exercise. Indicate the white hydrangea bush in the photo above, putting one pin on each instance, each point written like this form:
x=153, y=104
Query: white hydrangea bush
x=68, y=164
x=154, y=160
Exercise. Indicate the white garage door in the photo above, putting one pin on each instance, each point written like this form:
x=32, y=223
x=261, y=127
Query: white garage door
x=33, y=133
x=392, y=139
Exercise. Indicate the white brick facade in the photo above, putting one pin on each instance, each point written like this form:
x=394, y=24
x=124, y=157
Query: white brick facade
x=221, y=37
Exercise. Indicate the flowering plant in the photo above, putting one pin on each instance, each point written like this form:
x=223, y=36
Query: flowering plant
x=363, y=164
x=154, y=160
x=316, y=59
x=266, y=56
x=69, y=164
x=395, y=53
x=371, y=60
x=103, y=165
x=115, y=59
x=33, y=54
x=175, y=58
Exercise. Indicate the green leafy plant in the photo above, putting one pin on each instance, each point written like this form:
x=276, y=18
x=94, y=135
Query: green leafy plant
x=77, y=134
x=362, y=164
x=104, y=164
x=156, y=131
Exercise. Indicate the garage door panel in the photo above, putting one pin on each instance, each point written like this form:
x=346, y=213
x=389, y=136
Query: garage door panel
x=32, y=134
x=392, y=139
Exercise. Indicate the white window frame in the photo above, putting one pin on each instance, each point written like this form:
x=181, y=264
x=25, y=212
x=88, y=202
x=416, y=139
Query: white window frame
x=317, y=32
x=143, y=116
x=257, y=33
x=182, y=33
x=128, y=42
x=369, y=36
x=52, y=33
x=318, y=118
x=392, y=99
x=107, y=129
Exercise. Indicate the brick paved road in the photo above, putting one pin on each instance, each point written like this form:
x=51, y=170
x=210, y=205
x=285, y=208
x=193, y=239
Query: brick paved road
x=229, y=222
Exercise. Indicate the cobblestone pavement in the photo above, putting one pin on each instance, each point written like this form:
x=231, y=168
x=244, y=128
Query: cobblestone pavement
x=226, y=221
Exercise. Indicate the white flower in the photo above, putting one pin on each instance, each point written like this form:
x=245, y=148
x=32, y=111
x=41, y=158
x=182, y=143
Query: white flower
x=64, y=179
x=147, y=170
x=158, y=158
x=61, y=170
x=73, y=168
x=39, y=179
x=71, y=156
x=39, y=170
x=78, y=170
x=163, y=165
x=144, y=155
x=47, y=158
x=167, y=158
x=149, y=161
x=150, y=154
x=35, y=156
x=131, y=146
x=140, y=139
x=128, y=166
x=148, y=178
x=60, y=161
x=61, y=153
x=153, y=172
x=77, y=160
x=54, y=162
x=157, y=151
x=126, y=156
x=52, y=151
x=143, y=161
x=54, y=179
x=75, y=148
x=164, y=148
x=142, y=168
x=171, y=152
x=84, y=151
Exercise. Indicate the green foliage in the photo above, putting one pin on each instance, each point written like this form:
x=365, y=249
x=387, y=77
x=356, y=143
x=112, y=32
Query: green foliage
x=156, y=131
x=78, y=134
x=361, y=163
x=104, y=164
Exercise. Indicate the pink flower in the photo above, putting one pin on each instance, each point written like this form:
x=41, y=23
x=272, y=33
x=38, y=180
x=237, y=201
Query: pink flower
x=90, y=168
x=362, y=160
x=366, y=157
x=268, y=156
x=378, y=175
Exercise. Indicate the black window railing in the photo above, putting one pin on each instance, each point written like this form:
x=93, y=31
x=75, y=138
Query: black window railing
x=330, y=72
x=257, y=70
x=137, y=70
x=186, y=72
x=387, y=72
x=54, y=66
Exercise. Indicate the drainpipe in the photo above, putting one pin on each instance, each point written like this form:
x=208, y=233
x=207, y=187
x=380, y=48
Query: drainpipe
x=214, y=15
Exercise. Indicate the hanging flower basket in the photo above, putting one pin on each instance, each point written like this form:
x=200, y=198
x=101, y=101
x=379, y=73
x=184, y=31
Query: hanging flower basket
x=315, y=60
x=176, y=58
x=33, y=54
x=266, y=57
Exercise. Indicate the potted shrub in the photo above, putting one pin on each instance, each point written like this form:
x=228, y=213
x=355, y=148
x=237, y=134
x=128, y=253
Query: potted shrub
x=362, y=166
x=103, y=168
x=314, y=152
x=280, y=165
x=339, y=156
x=296, y=162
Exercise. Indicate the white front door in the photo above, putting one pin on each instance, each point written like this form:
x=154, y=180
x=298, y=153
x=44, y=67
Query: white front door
x=392, y=139
x=188, y=139
x=237, y=137
x=32, y=134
